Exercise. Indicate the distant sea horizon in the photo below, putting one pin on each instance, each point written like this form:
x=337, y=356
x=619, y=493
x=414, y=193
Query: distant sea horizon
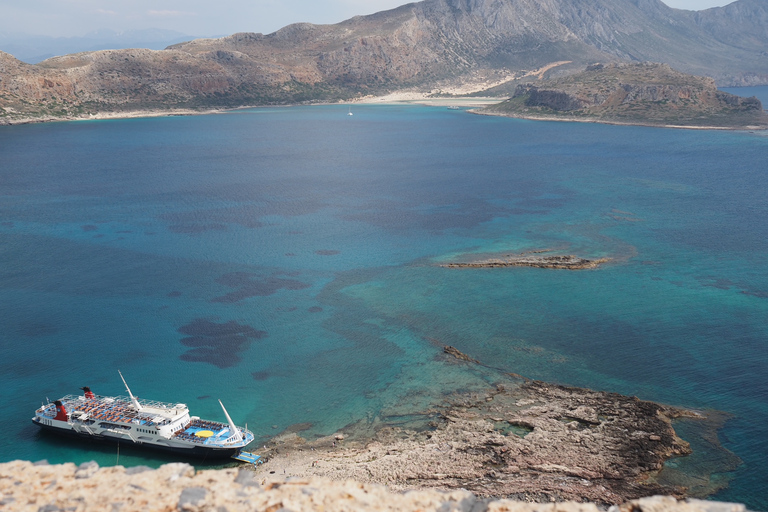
x=286, y=261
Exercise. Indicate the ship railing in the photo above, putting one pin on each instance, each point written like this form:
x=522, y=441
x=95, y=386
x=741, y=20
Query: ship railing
x=123, y=406
x=124, y=399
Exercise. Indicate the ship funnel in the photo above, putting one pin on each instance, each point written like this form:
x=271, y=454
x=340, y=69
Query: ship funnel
x=236, y=436
x=136, y=404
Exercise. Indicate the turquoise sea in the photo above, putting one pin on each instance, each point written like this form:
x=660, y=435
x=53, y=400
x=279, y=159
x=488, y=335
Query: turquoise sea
x=284, y=260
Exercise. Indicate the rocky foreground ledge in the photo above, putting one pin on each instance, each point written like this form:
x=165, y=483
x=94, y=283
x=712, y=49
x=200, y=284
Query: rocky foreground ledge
x=178, y=487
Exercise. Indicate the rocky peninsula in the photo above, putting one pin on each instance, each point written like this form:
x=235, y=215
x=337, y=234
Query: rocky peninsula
x=646, y=94
x=518, y=438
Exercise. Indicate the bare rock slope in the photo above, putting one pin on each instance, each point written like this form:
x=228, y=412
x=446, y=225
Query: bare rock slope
x=652, y=94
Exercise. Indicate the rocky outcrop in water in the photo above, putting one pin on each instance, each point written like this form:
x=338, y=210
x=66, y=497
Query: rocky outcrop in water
x=569, y=262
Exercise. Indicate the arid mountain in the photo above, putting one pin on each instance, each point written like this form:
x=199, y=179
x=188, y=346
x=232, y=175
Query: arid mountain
x=645, y=93
x=433, y=45
x=33, y=48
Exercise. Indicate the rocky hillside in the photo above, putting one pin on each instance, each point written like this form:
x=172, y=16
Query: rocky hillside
x=652, y=94
x=430, y=45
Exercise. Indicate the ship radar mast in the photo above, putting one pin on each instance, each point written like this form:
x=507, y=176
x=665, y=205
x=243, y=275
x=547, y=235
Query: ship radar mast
x=236, y=437
x=134, y=401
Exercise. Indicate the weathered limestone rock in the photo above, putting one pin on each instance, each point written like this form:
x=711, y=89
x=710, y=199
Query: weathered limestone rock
x=178, y=487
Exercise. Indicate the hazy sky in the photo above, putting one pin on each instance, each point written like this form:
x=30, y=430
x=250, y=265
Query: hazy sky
x=196, y=17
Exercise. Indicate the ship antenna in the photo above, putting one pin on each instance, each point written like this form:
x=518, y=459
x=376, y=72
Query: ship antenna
x=135, y=402
x=232, y=428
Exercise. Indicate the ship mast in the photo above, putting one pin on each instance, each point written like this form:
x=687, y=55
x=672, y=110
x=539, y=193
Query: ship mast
x=237, y=436
x=134, y=401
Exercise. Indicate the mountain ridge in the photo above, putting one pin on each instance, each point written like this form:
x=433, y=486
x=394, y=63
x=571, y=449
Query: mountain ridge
x=424, y=46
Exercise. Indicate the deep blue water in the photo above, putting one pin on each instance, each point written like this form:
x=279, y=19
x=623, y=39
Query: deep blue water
x=297, y=248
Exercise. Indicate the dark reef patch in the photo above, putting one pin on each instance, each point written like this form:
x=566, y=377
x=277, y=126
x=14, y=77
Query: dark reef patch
x=260, y=375
x=174, y=293
x=246, y=216
x=717, y=282
x=315, y=309
x=327, y=252
x=6, y=224
x=249, y=286
x=194, y=229
x=33, y=329
x=89, y=227
x=134, y=356
x=215, y=343
x=756, y=293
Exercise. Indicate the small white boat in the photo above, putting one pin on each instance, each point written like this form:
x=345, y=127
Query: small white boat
x=159, y=425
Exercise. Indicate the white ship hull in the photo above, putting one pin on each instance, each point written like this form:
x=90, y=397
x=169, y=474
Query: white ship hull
x=150, y=424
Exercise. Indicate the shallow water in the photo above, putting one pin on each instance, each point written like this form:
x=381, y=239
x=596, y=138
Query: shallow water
x=298, y=247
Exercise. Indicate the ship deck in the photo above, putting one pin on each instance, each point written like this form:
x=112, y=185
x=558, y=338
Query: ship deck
x=119, y=409
x=201, y=431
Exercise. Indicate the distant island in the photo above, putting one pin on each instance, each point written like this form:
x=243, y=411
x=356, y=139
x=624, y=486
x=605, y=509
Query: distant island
x=639, y=94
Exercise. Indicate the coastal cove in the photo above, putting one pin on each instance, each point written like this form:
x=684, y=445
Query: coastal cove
x=288, y=261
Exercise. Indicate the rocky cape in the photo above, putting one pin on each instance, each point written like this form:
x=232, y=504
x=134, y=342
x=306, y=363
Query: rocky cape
x=641, y=93
x=515, y=438
x=434, y=46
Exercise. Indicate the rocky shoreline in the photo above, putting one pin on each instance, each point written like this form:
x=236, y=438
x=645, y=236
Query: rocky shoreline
x=573, y=119
x=569, y=262
x=520, y=439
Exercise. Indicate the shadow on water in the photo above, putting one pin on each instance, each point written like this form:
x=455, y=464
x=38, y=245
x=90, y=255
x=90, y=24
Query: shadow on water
x=108, y=453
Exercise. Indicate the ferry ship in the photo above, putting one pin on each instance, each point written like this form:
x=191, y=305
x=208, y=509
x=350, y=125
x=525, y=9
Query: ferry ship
x=146, y=423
